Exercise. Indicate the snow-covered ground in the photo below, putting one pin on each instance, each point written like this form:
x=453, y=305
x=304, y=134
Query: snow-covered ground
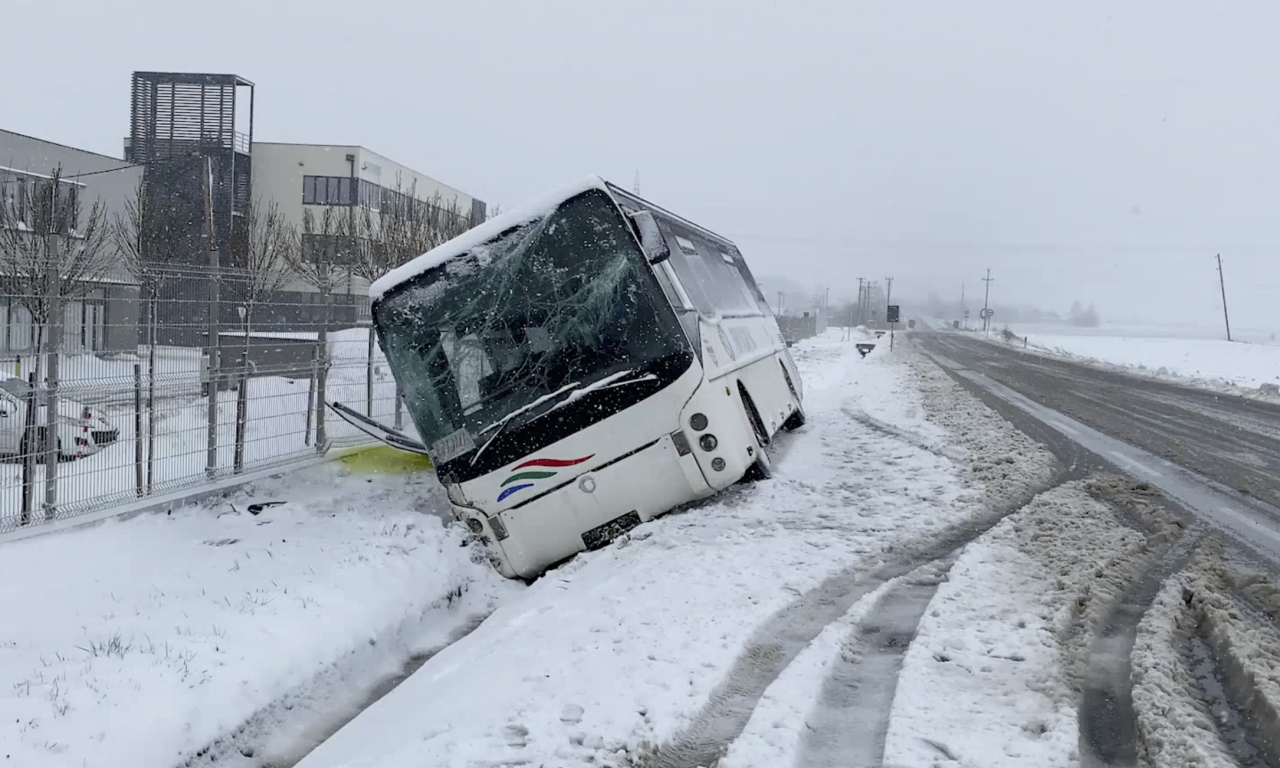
x=644, y=647
x=619, y=650
x=144, y=641
x=902, y=592
x=1186, y=354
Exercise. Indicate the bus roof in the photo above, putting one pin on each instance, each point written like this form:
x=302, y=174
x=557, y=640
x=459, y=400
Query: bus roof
x=482, y=233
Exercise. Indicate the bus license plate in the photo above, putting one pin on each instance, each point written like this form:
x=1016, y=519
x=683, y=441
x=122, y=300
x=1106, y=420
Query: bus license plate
x=451, y=446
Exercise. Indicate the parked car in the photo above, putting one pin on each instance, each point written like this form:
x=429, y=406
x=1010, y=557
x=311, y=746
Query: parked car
x=81, y=431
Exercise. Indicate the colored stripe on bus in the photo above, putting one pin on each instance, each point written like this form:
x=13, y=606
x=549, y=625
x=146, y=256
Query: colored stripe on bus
x=535, y=475
x=552, y=462
x=513, y=489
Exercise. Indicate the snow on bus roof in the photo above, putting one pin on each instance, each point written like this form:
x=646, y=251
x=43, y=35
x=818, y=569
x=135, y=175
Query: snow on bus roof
x=490, y=229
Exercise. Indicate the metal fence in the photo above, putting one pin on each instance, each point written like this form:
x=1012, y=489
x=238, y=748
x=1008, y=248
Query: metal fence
x=144, y=404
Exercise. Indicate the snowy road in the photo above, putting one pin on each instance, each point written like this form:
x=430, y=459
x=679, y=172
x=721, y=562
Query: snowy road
x=1231, y=441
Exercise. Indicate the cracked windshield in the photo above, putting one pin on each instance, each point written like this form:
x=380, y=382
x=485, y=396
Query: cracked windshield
x=688, y=385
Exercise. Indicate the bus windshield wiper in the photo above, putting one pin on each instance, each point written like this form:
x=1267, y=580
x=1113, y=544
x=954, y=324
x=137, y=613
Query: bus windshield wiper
x=608, y=382
x=502, y=423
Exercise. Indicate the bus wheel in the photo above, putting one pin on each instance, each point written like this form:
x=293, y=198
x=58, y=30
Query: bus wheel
x=796, y=420
x=760, y=469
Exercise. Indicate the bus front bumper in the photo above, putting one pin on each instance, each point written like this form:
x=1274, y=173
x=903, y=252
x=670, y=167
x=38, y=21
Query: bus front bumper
x=595, y=507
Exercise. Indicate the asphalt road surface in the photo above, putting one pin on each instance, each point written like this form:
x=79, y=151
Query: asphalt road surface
x=1230, y=440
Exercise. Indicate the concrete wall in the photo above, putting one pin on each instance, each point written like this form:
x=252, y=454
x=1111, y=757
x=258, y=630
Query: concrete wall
x=279, y=169
x=122, y=310
x=106, y=179
x=113, y=188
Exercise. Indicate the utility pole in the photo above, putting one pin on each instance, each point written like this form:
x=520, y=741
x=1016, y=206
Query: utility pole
x=888, y=299
x=965, y=319
x=635, y=187
x=1222, y=283
x=986, y=302
x=860, y=298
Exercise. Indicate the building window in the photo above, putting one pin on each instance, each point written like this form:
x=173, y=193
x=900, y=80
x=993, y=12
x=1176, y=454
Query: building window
x=328, y=190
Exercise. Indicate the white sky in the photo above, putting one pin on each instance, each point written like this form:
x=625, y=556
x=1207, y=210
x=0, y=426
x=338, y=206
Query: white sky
x=1093, y=149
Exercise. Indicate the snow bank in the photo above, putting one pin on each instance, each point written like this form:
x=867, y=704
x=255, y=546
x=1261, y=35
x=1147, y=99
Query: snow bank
x=1244, y=639
x=984, y=682
x=996, y=459
x=1206, y=362
x=619, y=650
x=144, y=641
x=1173, y=724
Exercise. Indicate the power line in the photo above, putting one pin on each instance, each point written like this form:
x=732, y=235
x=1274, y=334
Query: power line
x=978, y=244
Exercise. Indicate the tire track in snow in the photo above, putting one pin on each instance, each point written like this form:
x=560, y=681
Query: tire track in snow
x=851, y=718
x=1219, y=654
x=1108, y=722
x=777, y=642
x=1010, y=468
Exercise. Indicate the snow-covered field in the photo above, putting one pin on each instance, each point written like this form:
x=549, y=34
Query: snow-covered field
x=1187, y=354
x=144, y=641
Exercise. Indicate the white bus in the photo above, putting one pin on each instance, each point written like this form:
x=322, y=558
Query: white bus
x=582, y=366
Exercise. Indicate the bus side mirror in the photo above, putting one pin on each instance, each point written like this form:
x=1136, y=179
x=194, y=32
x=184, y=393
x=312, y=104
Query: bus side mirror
x=655, y=245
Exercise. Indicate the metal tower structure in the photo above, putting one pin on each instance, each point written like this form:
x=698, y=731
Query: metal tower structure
x=177, y=120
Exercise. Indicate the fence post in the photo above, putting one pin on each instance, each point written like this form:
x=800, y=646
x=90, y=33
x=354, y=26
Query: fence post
x=29, y=448
x=368, y=377
x=54, y=341
x=137, y=427
x=151, y=390
x=323, y=375
x=242, y=405
x=311, y=396
x=399, y=408
x=215, y=367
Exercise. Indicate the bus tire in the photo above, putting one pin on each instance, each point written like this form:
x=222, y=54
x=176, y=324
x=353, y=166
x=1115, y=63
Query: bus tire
x=760, y=469
x=796, y=420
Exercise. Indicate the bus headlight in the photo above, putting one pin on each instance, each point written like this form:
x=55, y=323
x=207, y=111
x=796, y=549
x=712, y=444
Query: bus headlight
x=717, y=464
x=475, y=525
x=708, y=442
x=698, y=421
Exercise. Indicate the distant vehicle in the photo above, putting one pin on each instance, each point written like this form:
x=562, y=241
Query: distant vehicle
x=80, y=430
x=583, y=366
x=911, y=324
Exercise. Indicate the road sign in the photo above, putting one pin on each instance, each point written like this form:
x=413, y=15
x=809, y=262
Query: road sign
x=987, y=313
x=966, y=314
x=893, y=313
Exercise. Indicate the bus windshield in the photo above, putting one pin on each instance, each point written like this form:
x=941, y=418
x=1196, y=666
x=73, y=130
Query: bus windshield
x=499, y=337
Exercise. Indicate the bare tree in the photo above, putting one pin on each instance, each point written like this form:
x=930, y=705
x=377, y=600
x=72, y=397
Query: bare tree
x=49, y=251
x=140, y=238
x=323, y=259
x=271, y=242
